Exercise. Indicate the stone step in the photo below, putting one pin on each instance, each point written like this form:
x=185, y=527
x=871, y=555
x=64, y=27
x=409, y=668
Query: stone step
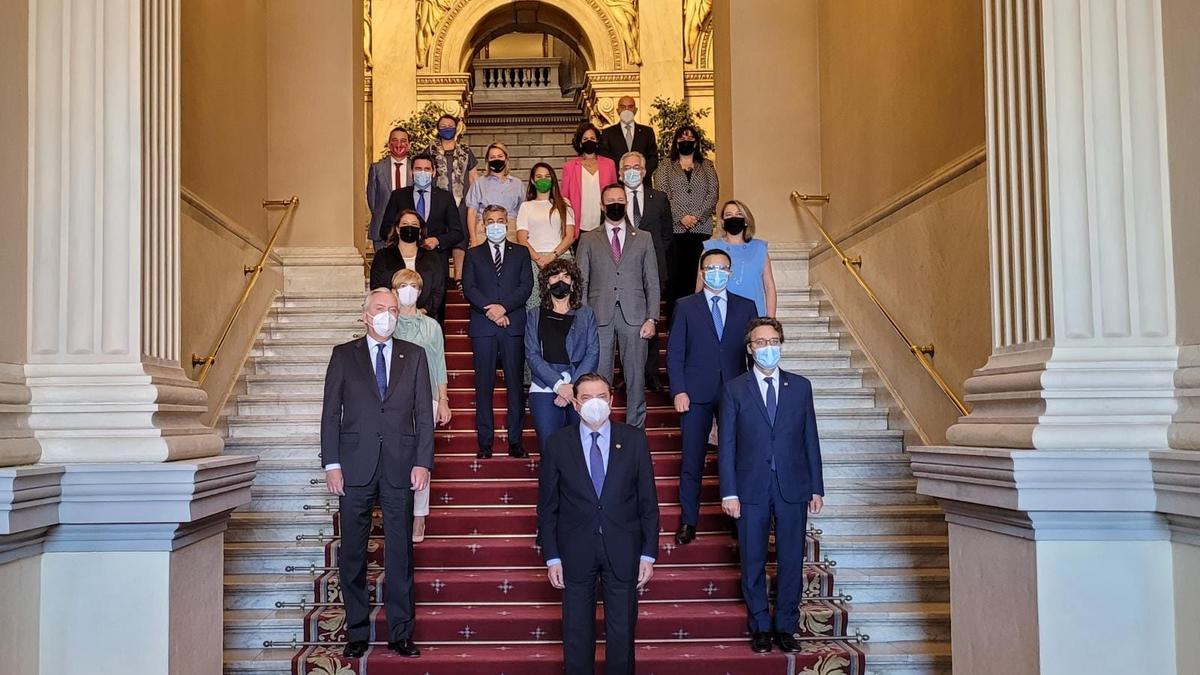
x=901, y=621
x=271, y=557
x=286, y=443
x=876, y=551
x=927, y=657
x=258, y=661
x=926, y=584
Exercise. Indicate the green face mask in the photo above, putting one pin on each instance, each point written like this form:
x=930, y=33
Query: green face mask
x=542, y=185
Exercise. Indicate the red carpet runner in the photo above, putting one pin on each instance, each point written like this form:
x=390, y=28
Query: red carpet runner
x=484, y=606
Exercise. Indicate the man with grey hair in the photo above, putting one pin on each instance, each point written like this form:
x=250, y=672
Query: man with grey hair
x=649, y=210
x=377, y=445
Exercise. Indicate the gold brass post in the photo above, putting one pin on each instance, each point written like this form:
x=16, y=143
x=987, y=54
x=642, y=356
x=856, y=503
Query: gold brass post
x=922, y=352
x=205, y=363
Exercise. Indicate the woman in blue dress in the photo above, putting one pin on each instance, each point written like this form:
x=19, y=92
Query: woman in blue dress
x=750, y=273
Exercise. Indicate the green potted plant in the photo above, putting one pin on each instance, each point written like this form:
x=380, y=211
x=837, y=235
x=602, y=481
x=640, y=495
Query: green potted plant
x=421, y=127
x=669, y=115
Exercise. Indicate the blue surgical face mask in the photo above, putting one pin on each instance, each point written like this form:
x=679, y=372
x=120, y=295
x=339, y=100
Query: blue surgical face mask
x=767, y=357
x=447, y=133
x=716, y=280
x=496, y=232
x=422, y=179
x=633, y=177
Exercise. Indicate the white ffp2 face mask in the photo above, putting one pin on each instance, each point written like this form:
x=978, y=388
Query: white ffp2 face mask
x=383, y=323
x=595, y=411
x=408, y=295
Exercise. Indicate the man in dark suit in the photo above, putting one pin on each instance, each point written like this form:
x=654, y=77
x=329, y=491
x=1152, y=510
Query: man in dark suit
x=598, y=520
x=650, y=211
x=443, y=225
x=497, y=281
x=706, y=349
x=629, y=136
x=385, y=177
x=770, y=464
x=377, y=444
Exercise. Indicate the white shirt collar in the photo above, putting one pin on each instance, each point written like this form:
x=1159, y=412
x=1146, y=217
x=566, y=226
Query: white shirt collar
x=398, y=161
x=758, y=375
x=709, y=295
x=585, y=433
x=611, y=226
x=373, y=343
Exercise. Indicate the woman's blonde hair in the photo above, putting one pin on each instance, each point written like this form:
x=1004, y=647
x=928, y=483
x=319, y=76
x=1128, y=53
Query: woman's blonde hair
x=502, y=148
x=748, y=233
x=407, y=276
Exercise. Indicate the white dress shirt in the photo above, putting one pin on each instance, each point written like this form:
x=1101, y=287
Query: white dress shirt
x=403, y=163
x=722, y=304
x=585, y=439
x=761, y=379
x=608, y=233
x=630, y=195
x=372, y=350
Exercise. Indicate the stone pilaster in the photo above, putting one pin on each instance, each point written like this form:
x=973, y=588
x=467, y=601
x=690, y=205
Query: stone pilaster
x=103, y=364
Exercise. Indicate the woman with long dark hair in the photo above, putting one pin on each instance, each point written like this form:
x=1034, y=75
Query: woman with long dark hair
x=545, y=223
x=561, y=343
x=403, y=252
x=690, y=181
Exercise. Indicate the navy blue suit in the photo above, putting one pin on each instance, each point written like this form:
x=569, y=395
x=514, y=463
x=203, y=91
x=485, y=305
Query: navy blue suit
x=773, y=469
x=510, y=288
x=598, y=537
x=698, y=363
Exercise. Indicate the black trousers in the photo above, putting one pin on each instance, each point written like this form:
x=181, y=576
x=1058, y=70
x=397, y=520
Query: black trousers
x=355, y=511
x=686, y=248
x=579, y=618
x=510, y=350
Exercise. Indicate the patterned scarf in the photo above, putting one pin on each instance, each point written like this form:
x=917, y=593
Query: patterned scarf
x=461, y=159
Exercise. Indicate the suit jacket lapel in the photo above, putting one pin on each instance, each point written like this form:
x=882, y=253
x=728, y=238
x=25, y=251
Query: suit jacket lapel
x=363, y=356
x=615, y=442
x=576, y=451
x=397, y=364
x=756, y=394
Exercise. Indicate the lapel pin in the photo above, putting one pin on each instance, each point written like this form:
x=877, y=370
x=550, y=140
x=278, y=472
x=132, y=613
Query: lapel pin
x=618, y=446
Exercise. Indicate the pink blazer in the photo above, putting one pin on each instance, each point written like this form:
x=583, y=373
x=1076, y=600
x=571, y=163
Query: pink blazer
x=572, y=180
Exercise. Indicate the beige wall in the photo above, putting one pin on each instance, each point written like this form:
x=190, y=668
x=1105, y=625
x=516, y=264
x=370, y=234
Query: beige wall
x=223, y=65
x=196, y=611
x=14, y=140
x=1186, y=564
x=516, y=46
x=767, y=108
x=21, y=582
x=1182, y=66
x=314, y=107
x=902, y=94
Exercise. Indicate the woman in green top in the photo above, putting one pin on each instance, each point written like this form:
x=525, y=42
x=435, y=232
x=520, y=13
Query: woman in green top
x=424, y=331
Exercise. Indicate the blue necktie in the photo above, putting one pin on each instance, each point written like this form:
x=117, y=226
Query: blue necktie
x=421, y=205
x=597, y=464
x=381, y=372
x=718, y=322
x=772, y=404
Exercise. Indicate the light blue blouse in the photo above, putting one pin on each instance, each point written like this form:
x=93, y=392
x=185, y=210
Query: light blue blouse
x=748, y=261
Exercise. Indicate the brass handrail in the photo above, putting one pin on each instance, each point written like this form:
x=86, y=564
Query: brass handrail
x=852, y=265
x=205, y=363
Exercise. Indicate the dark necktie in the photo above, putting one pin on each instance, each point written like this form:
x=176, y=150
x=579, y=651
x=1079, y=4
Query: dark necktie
x=597, y=464
x=616, y=244
x=719, y=323
x=637, y=209
x=399, y=176
x=381, y=372
x=772, y=403
x=496, y=258
x=421, y=205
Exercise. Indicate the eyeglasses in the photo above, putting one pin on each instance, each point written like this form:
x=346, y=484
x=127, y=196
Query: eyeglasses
x=713, y=268
x=766, y=342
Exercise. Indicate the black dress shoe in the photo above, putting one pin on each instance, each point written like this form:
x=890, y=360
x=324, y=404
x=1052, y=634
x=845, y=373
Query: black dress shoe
x=483, y=453
x=787, y=642
x=760, y=642
x=355, y=649
x=405, y=648
x=654, y=384
x=517, y=451
x=685, y=534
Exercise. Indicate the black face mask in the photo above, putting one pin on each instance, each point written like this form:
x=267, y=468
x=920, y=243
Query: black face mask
x=735, y=225
x=589, y=147
x=686, y=147
x=560, y=289
x=410, y=234
x=615, y=212
x=496, y=165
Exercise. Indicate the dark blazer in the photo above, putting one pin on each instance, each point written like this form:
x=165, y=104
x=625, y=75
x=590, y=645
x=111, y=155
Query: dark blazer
x=431, y=266
x=698, y=361
x=612, y=145
x=657, y=220
x=583, y=346
x=569, y=514
x=379, y=189
x=747, y=441
x=511, y=288
x=444, y=222
x=359, y=431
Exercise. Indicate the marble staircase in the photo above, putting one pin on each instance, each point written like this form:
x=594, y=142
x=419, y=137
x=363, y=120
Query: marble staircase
x=889, y=543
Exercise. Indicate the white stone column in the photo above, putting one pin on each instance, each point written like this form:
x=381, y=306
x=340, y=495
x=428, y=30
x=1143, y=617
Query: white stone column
x=1057, y=539
x=103, y=356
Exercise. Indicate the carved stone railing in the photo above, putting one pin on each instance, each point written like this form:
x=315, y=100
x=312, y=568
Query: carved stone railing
x=516, y=79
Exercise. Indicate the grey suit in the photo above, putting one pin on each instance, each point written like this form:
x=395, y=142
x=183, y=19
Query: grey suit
x=623, y=294
x=379, y=191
